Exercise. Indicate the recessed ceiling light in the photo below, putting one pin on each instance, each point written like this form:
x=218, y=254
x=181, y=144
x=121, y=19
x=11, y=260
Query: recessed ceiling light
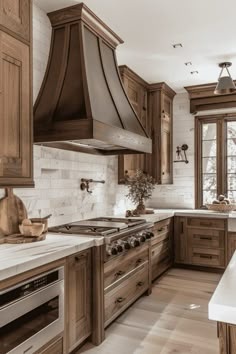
x=177, y=45
x=188, y=63
x=194, y=72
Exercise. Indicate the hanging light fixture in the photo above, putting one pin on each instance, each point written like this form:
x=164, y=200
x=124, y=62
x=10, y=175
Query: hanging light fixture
x=225, y=83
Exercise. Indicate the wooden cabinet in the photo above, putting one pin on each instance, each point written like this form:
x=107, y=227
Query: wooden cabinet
x=200, y=241
x=161, y=248
x=15, y=104
x=227, y=338
x=15, y=17
x=127, y=277
x=79, y=301
x=231, y=245
x=160, y=106
x=118, y=298
x=153, y=104
x=136, y=89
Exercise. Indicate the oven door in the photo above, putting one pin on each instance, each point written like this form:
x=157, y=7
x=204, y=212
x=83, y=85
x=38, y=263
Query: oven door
x=26, y=325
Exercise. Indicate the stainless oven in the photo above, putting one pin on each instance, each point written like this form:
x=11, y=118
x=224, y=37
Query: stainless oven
x=32, y=313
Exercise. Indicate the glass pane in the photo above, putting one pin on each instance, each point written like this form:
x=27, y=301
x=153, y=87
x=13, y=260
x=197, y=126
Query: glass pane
x=232, y=181
x=209, y=182
x=209, y=165
x=209, y=131
x=231, y=130
x=209, y=148
x=231, y=164
x=209, y=196
x=232, y=196
x=231, y=147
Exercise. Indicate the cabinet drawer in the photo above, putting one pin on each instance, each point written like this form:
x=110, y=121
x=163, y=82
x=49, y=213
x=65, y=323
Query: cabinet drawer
x=208, y=257
x=159, y=249
x=55, y=347
x=206, y=222
x=123, y=295
x=120, y=266
x=162, y=226
x=207, y=238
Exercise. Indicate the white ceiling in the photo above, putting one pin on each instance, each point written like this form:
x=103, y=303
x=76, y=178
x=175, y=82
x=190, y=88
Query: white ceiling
x=206, y=29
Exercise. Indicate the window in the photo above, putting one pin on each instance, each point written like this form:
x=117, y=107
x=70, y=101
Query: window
x=215, y=138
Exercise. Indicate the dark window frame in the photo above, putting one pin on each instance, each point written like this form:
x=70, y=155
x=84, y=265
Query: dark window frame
x=221, y=152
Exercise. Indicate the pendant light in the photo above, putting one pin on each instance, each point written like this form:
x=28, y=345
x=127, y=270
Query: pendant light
x=225, y=83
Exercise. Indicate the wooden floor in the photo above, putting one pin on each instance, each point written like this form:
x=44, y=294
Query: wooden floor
x=173, y=319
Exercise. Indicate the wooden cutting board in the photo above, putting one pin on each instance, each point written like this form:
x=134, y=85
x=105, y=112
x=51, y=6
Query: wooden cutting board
x=12, y=212
x=18, y=238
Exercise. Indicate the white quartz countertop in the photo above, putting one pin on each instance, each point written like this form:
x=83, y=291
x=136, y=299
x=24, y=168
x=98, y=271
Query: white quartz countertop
x=222, y=306
x=18, y=258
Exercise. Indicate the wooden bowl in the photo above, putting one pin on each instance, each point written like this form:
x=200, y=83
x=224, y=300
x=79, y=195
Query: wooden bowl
x=34, y=230
x=42, y=221
x=221, y=208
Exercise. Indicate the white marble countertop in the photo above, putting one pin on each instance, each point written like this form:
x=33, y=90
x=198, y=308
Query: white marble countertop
x=222, y=306
x=18, y=258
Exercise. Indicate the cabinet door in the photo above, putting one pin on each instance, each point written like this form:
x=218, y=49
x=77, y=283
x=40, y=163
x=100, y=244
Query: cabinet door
x=79, y=298
x=15, y=17
x=227, y=338
x=180, y=240
x=15, y=113
x=231, y=244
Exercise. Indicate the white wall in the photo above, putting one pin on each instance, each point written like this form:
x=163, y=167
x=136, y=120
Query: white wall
x=181, y=193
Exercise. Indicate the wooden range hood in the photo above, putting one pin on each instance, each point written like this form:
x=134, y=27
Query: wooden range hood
x=82, y=104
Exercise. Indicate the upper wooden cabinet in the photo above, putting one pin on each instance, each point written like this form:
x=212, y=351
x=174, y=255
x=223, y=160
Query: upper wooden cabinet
x=15, y=111
x=15, y=17
x=153, y=104
x=160, y=105
x=136, y=89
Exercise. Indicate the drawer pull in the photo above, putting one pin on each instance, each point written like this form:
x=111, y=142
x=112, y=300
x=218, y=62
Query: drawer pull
x=161, y=229
x=208, y=256
x=119, y=273
x=205, y=238
x=119, y=300
x=139, y=261
x=78, y=258
x=140, y=283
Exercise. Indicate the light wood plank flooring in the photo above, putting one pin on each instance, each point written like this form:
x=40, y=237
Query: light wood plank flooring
x=172, y=320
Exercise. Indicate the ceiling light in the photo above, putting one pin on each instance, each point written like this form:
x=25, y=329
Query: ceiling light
x=177, y=45
x=225, y=83
x=188, y=63
x=194, y=72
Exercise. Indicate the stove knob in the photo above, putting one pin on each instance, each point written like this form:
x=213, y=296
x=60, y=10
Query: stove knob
x=147, y=235
x=111, y=251
x=134, y=242
x=127, y=245
x=142, y=238
x=120, y=248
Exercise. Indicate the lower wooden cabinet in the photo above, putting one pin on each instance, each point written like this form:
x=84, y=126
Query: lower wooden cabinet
x=79, y=301
x=53, y=347
x=200, y=241
x=118, y=298
x=161, y=248
x=227, y=338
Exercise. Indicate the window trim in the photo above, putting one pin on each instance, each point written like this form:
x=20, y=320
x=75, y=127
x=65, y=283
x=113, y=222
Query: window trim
x=221, y=172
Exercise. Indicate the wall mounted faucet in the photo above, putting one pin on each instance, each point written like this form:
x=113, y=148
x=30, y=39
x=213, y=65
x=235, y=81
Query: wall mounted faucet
x=84, y=185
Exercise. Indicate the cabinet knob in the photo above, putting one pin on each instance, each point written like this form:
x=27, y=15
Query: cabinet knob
x=78, y=258
x=140, y=283
x=139, y=261
x=119, y=273
x=119, y=300
x=163, y=173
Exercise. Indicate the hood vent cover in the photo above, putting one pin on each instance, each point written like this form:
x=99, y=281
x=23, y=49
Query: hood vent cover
x=82, y=104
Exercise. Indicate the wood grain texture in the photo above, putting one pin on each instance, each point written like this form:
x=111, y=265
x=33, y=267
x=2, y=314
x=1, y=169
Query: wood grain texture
x=173, y=319
x=79, y=302
x=15, y=95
